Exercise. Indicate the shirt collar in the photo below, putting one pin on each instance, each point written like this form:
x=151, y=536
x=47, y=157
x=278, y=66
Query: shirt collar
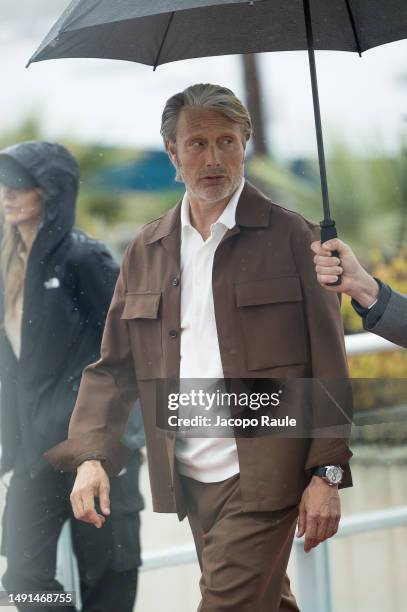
x=227, y=218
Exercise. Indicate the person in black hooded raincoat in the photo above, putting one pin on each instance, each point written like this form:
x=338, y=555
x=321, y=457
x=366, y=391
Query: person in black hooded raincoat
x=56, y=287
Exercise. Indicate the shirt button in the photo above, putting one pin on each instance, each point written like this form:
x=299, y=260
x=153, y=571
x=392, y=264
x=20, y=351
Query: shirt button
x=175, y=281
x=173, y=333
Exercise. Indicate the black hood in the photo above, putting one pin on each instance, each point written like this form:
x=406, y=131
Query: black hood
x=57, y=174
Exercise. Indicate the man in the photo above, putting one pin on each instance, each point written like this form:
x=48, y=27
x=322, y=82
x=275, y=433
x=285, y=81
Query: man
x=219, y=287
x=383, y=310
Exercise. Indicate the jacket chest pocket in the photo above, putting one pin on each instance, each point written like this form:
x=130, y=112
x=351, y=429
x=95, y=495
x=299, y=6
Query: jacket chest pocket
x=142, y=311
x=272, y=320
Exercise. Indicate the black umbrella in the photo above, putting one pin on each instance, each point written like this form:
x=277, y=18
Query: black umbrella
x=155, y=32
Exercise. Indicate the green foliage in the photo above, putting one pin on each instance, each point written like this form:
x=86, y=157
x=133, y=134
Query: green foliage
x=368, y=195
x=29, y=129
x=108, y=209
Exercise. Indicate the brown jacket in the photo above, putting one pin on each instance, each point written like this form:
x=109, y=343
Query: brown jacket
x=273, y=320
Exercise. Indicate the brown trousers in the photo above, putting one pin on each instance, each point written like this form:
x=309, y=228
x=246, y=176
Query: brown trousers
x=243, y=555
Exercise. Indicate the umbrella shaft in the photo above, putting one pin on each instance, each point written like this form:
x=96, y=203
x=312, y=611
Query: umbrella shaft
x=317, y=113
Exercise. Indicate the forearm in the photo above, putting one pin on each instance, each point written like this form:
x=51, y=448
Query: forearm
x=365, y=289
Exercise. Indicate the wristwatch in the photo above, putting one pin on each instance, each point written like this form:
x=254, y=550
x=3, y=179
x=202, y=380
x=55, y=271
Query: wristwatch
x=333, y=474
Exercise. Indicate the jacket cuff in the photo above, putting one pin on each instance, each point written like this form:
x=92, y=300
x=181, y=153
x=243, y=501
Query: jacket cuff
x=327, y=451
x=69, y=454
x=335, y=453
x=372, y=316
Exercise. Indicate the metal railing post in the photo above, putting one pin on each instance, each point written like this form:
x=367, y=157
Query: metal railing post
x=67, y=569
x=314, y=578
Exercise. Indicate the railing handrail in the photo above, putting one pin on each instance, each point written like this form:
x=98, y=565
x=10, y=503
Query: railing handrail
x=367, y=342
x=372, y=521
x=169, y=557
x=386, y=518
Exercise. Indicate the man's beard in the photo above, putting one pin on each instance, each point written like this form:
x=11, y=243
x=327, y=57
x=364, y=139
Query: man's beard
x=226, y=190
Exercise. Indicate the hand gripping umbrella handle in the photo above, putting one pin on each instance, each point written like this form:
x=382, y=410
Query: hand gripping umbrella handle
x=328, y=232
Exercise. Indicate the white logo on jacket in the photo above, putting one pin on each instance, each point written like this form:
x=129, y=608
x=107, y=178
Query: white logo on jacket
x=52, y=283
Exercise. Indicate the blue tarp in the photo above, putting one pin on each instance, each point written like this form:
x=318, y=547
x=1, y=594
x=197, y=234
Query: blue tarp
x=152, y=171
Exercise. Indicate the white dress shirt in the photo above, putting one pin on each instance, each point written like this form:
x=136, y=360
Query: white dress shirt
x=207, y=459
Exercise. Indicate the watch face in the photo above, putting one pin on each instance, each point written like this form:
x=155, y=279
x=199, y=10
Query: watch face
x=334, y=474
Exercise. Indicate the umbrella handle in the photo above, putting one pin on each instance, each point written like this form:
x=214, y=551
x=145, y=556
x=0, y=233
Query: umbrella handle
x=328, y=232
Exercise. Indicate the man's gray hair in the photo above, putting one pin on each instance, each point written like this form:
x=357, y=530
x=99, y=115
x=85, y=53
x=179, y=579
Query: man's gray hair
x=211, y=97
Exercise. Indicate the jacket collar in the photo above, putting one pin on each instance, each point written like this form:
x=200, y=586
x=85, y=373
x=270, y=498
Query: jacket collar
x=165, y=225
x=253, y=210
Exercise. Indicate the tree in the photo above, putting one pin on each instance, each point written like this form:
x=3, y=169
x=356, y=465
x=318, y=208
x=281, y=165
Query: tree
x=254, y=102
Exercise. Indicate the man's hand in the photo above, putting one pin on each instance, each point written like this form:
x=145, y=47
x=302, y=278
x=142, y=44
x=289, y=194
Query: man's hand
x=355, y=281
x=91, y=481
x=319, y=513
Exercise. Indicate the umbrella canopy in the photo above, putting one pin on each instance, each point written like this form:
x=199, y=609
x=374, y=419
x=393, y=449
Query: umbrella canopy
x=155, y=32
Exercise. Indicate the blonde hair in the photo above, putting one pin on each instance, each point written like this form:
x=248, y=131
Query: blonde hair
x=13, y=261
x=13, y=266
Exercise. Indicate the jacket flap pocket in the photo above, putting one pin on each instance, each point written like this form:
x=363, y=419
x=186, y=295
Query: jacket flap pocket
x=141, y=306
x=268, y=291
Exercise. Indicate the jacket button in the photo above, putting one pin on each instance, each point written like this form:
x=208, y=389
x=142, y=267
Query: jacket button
x=175, y=282
x=173, y=333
